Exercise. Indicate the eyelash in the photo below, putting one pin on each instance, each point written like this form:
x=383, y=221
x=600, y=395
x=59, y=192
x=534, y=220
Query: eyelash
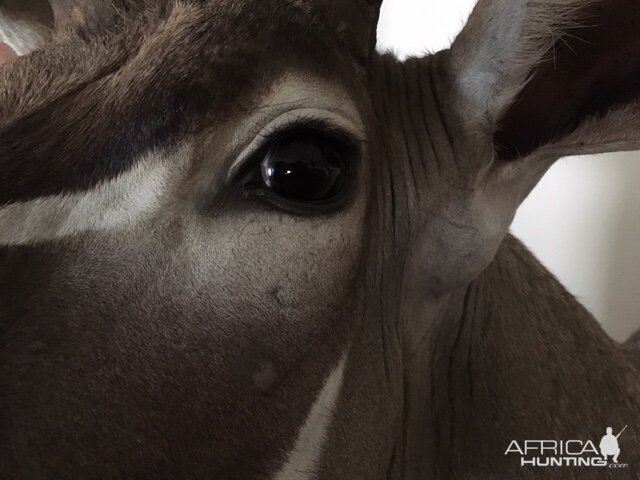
x=303, y=122
x=297, y=120
x=271, y=136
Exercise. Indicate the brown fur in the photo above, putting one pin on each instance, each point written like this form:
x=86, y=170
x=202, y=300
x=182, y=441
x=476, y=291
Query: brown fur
x=133, y=353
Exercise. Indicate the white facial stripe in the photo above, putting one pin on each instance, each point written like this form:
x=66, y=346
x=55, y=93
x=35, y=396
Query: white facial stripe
x=118, y=203
x=303, y=459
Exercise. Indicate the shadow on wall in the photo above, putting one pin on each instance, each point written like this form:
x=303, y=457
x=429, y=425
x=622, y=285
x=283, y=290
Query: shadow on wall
x=622, y=278
x=583, y=223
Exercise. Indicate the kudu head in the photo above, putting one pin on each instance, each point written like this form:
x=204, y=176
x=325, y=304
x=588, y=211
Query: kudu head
x=230, y=231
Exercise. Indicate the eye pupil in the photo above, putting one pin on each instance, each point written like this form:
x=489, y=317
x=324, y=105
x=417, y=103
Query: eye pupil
x=307, y=166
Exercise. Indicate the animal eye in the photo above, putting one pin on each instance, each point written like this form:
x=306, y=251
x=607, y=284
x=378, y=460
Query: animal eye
x=306, y=165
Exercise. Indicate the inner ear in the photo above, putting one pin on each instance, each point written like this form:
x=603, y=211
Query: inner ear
x=591, y=69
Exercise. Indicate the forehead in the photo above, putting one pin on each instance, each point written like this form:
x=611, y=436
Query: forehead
x=238, y=50
x=141, y=78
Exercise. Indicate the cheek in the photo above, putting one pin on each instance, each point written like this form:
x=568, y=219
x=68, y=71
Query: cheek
x=292, y=274
x=288, y=276
x=231, y=328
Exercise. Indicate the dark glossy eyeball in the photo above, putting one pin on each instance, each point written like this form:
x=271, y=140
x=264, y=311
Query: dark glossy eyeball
x=308, y=165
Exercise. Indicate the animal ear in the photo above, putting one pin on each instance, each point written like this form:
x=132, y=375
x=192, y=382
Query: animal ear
x=24, y=24
x=356, y=22
x=563, y=75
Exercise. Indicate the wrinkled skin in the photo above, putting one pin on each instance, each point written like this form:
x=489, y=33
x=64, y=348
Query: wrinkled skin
x=196, y=331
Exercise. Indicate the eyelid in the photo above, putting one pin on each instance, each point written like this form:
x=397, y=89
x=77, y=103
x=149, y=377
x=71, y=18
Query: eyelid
x=289, y=120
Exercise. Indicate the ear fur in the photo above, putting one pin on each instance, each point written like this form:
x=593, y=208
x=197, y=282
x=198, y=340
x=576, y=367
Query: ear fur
x=536, y=73
x=495, y=53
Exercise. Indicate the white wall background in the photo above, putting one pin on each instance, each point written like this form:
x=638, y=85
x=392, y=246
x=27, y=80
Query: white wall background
x=583, y=220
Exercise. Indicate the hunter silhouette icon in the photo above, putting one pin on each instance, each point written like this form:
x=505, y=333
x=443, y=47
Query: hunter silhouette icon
x=609, y=444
